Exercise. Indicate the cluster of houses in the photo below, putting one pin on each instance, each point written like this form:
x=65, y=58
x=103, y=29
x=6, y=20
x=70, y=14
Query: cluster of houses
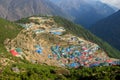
x=54, y=30
x=80, y=52
x=76, y=56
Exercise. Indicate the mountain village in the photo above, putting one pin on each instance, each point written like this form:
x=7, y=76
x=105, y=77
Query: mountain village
x=42, y=41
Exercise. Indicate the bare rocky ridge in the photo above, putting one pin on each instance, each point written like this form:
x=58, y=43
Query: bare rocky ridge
x=46, y=42
x=17, y=9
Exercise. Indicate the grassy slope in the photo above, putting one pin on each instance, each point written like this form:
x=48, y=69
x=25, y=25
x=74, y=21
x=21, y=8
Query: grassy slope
x=44, y=72
x=7, y=30
x=80, y=31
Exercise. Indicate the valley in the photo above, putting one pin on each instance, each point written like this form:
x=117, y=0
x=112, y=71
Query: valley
x=59, y=40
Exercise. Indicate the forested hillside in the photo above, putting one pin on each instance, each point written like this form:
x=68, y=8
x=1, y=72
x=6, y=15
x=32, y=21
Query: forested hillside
x=109, y=29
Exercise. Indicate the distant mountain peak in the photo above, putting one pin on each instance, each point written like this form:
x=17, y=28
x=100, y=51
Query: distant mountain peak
x=85, y=12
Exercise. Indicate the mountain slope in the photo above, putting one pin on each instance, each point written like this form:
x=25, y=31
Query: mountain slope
x=19, y=68
x=85, y=12
x=109, y=29
x=14, y=9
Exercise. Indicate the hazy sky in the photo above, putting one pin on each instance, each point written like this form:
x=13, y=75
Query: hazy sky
x=115, y=3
